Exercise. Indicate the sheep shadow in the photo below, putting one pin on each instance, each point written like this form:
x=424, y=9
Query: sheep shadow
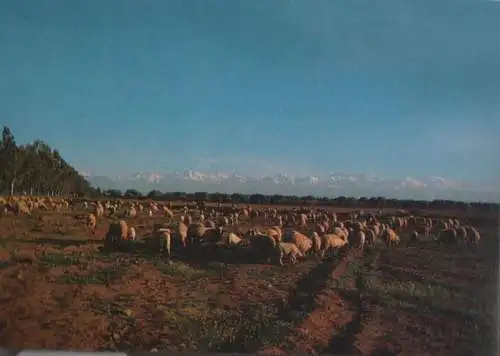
x=230, y=255
x=301, y=300
x=200, y=256
x=59, y=242
x=383, y=351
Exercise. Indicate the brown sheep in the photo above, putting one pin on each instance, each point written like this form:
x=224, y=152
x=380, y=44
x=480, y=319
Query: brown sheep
x=91, y=223
x=358, y=238
x=117, y=232
x=330, y=243
x=390, y=237
x=164, y=240
x=288, y=249
x=275, y=232
x=195, y=233
x=316, y=242
x=371, y=237
x=303, y=243
x=21, y=208
x=342, y=232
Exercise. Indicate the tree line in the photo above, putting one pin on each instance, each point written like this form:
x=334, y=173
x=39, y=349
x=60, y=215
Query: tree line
x=37, y=169
x=349, y=202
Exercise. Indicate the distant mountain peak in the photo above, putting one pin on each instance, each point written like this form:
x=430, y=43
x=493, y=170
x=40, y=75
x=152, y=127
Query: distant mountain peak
x=333, y=184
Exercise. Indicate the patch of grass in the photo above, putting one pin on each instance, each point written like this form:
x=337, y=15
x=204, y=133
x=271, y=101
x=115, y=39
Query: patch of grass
x=424, y=305
x=176, y=269
x=219, y=330
x=102, y=256
x=111, y=308
x=267, y=273
x=353, y=271
x=417, y=290
x=255, y=326
x=60, y=259
x=196, y=325
x=104, y=275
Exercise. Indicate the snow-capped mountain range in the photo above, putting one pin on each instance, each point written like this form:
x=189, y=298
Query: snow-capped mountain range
x=331, y=185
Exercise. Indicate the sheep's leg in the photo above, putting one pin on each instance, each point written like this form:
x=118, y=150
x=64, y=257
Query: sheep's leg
x=162, y=245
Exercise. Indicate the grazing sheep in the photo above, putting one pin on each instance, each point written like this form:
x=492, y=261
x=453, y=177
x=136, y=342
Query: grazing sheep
x=390, y=237
x=98, y=210
x=212, y=235
x=341, y=232
x=21, y=208
x=371, y=237
x=447, y=236
x=131, y=234
x=358, y=238
x=302, y=242
x=163, y=240
x=275, y=233
x=131, y=212
x=91, y=223
x=288, y=249
x=194, y=233
x=231, y=239
x=117, y=232
x=473, y=236
x=330, y=243
x=263, y=245
x=462, y=235
x=316, y=242
x=183, y=234
x=413, y=238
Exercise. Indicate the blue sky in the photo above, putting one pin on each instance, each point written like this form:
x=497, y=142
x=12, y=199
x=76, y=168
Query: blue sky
x=393, y=88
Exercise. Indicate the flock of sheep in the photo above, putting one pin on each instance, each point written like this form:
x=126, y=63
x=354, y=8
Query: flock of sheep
x=268, y=234
x=284, y=233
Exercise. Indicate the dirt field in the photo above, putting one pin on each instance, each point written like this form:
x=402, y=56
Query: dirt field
x=58, y=290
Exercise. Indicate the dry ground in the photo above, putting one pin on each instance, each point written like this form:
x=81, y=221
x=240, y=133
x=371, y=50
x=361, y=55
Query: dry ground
x=58, y=290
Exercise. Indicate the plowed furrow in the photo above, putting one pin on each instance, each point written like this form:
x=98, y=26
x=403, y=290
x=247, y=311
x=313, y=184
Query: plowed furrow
x=334, y=310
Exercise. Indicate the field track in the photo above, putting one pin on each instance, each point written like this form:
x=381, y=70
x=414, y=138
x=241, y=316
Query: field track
x=59, y=291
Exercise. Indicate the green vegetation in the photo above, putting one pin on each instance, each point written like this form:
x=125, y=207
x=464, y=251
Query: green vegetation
x=36, y=168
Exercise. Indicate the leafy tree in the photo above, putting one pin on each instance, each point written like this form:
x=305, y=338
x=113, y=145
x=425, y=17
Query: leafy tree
x=132, y=193
x=113, y=193
x=154, y=194
x=36, y=168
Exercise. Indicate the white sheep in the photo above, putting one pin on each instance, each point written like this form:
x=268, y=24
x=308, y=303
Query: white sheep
x=131, y=234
